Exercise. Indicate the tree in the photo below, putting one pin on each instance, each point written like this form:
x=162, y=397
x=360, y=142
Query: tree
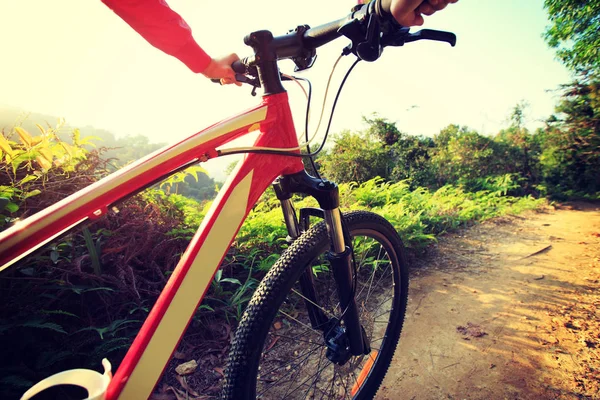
x=355, y=157
x=574, y=33
x=570, y=158
x=462, y=155
x=516, y=144
x=408, y=155
x=385, y=131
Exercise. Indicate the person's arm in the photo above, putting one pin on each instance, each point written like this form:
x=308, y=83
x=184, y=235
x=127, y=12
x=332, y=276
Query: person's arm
x=410, y=12
x=163, y=28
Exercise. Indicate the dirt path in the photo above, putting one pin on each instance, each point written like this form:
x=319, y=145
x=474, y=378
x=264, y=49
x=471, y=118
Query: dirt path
x=508, y=309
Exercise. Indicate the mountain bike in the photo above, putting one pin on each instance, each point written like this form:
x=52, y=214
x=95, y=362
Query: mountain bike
x=326, y=319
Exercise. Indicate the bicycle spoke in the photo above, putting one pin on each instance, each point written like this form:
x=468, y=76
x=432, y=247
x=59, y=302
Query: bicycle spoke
x=298, y=340
x=307, y=379
x=289, y=362
x=312, y=302
x=373, y=274
x=380, y=279
x=316, y=377
x=293, y=339
x=295, y=371
x=301, y=323
x=332, y=382
x=379, y=306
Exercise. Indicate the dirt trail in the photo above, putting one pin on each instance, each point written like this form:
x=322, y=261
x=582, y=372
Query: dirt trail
x=508, y=309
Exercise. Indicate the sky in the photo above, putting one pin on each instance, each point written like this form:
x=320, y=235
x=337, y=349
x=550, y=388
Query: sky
x=76, y=59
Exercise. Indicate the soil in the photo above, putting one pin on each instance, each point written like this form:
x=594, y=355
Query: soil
x=508, y=309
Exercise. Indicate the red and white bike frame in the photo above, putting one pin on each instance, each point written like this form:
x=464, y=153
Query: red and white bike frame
x=167, y=321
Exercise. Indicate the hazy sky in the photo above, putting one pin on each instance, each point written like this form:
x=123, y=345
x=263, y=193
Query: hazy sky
x=78, y=60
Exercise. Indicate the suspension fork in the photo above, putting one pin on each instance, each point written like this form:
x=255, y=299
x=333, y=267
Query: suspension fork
x=327, y=195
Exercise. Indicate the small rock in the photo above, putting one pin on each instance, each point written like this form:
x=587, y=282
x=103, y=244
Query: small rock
x=187, y=368
x=552, y=340
x=471, y=330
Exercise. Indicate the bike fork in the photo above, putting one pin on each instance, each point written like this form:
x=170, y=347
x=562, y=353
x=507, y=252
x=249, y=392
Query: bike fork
x=339, y=257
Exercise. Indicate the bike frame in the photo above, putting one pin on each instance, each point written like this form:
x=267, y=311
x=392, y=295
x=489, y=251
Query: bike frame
x=166, y=323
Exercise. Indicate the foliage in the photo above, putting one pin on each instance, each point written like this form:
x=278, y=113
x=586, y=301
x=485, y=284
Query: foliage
x=574, y=33
x=355, y=157
x=462, y=154
x=570, y=159
x=193, y=182
x=381, y=150
x=36, y=164
x=421, y=214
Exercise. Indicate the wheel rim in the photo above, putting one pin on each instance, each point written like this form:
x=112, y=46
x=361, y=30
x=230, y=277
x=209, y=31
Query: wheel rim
x=293, y=364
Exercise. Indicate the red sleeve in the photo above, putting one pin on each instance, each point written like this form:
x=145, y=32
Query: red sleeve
x=163, y=28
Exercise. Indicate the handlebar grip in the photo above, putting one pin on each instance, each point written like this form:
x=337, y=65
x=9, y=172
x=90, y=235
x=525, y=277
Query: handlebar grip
x=322, y=34
x=239, y=67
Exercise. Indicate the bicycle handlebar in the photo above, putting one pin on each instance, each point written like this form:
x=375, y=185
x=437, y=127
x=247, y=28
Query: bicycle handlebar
x=370, y=27
x=323, y=34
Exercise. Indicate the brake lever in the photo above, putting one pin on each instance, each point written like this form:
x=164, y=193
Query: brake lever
x=243, y=79
x=254, y=82
x=430, y=34
x=370, y=49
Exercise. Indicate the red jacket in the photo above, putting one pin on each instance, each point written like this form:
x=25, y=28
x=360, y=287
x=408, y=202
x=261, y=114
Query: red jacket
x=163, y=28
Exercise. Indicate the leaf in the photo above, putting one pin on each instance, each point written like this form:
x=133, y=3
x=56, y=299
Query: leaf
x=41, y=128
x=50, y=358
x=32, y=193
x=27, y=178
x=24, y=135
x=111, y=329
x=92, y=249
x=182, y=381
x=67, y=148
x=58, y=312
x=27, y=271
x=231, y=280
x=46, y=153
x=178, y=393
x=5, y=146
x=218, y=275
x=11, y=207
x=44, y=325
x=87, y=141
x=43, y=162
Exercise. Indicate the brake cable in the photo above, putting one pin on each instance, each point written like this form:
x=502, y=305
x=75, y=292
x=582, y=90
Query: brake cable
x=288, y=151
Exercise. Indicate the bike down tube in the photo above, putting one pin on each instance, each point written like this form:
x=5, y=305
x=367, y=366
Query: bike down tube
x=151, y=350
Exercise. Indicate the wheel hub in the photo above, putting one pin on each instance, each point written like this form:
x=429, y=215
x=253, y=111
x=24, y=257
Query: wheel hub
x=336, y=340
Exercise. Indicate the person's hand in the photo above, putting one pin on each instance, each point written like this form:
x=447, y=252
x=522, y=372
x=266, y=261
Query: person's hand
x=410, y=12
x=220, y=68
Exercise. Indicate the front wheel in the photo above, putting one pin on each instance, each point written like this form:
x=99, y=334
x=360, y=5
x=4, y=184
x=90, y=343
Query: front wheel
x=277, y=353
